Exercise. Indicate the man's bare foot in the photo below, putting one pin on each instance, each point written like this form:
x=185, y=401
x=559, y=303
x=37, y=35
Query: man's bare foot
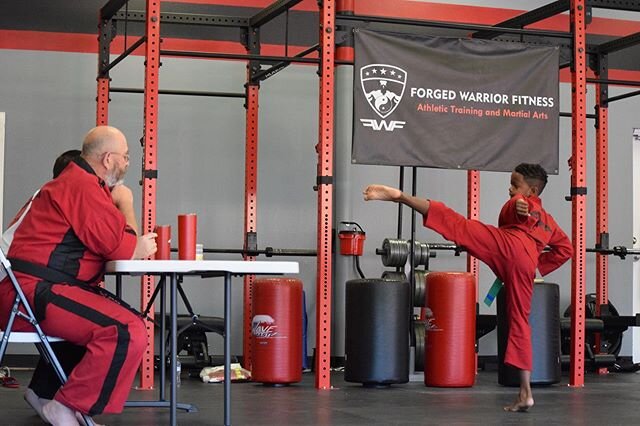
x=35, y=402
x=521, y=405
x=58, y=414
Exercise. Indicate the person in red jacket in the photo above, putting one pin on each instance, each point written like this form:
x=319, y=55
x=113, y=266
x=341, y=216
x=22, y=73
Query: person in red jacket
x=58, y=254
x=44, y=382
x=513, y=251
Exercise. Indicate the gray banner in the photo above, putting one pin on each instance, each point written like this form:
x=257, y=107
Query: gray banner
x=454, y=103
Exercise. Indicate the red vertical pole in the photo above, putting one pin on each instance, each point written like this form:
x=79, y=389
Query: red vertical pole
x=102, y=100
x=578, y=191
x=344, y=50
x=325, y=194
x=149, y=174
x=250, y=210
x=250, y=186
x=602, y=205
x=105, y=36
x=473, y=212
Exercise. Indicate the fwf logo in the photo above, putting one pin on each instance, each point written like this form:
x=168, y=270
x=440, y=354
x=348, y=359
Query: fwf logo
x=264, y=326
x=383, y=86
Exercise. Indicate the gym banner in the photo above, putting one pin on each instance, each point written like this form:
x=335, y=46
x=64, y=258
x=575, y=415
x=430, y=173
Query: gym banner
x=454, y=103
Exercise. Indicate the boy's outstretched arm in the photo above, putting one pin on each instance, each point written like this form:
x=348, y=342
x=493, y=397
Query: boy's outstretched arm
x=387, y=193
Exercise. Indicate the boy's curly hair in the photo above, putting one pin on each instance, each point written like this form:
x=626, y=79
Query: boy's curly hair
x=533, y=174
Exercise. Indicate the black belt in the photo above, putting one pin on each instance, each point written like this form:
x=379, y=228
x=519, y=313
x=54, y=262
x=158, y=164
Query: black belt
x=56, y=277
x=44, y=272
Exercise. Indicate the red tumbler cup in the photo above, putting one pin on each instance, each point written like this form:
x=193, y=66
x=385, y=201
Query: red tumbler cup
x=187, y=225
x=164, y=242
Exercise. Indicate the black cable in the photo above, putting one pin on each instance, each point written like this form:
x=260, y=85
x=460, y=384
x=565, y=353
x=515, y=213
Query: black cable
x=286, y=34
x=357, y=261
x=399, y=233
x=126, y=23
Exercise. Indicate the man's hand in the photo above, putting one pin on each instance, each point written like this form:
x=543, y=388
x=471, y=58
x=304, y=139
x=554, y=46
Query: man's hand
x=522, y=207
x=381, y=193
x=146, y=246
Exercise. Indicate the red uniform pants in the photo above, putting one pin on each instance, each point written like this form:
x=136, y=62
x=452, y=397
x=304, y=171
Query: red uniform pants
x=504, y=252
x=115, y=339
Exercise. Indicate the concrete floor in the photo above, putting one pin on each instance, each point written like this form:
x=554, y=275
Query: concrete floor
x=604, y=400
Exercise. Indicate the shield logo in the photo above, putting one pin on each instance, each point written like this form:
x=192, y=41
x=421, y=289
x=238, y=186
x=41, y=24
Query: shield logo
x=383, y=86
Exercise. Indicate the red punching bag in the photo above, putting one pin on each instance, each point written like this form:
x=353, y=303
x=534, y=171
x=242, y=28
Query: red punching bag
x=276, y=331
x=450, y=332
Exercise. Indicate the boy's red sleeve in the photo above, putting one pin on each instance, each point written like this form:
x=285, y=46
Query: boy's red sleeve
x=561, y=251
x=509, y=214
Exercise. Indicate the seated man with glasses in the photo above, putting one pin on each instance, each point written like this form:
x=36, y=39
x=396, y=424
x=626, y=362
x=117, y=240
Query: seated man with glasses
x=58, y=254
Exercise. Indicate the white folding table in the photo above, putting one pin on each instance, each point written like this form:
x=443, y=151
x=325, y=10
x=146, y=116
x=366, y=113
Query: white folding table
x=202, y=268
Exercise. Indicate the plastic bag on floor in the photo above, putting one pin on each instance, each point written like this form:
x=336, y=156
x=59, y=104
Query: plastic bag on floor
x=216, y=374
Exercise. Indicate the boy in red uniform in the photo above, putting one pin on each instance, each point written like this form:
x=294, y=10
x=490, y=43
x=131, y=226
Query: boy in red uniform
x=513, y=251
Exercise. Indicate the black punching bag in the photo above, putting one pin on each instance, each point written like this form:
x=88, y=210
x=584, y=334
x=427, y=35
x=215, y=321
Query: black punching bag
x=544, y=320
x=377, y=331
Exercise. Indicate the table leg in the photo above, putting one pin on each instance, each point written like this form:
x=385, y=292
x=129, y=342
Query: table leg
x=174, y=348
x=163, y=339
x=119, y=286
x=227, y=349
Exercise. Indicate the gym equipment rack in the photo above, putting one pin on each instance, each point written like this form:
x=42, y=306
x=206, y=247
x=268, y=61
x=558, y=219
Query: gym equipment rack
x=331, y=54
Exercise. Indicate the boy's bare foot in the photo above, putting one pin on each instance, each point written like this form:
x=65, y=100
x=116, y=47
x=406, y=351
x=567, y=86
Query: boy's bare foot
x=58, y=414
x=521, y=405
x=35, y=402
x=381, y=192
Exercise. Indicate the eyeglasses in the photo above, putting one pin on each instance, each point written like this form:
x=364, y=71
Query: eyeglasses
x=125, y=156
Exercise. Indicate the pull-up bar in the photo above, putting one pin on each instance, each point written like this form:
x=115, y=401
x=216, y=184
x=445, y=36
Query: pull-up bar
x=180, y=92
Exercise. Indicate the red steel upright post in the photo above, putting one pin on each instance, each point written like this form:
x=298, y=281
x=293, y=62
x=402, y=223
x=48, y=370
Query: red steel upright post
x=344, y=50
x=250, y=210
x=105, y=37
x=149, y=173
x=325, y=194
x=578, y=191
x=102, y=110
x=473, y=212
x=602, y=196
x=250, y=186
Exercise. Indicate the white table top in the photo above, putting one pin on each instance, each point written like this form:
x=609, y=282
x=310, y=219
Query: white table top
x=141, y=267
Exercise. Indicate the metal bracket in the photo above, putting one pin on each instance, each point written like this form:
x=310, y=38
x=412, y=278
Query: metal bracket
x=578, y=190
x=251, y=242
x=604, y=241
x=324, y=180
x=150, y=174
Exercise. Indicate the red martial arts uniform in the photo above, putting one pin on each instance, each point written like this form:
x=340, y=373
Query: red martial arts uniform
x=513, y=251
x=58, y=254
